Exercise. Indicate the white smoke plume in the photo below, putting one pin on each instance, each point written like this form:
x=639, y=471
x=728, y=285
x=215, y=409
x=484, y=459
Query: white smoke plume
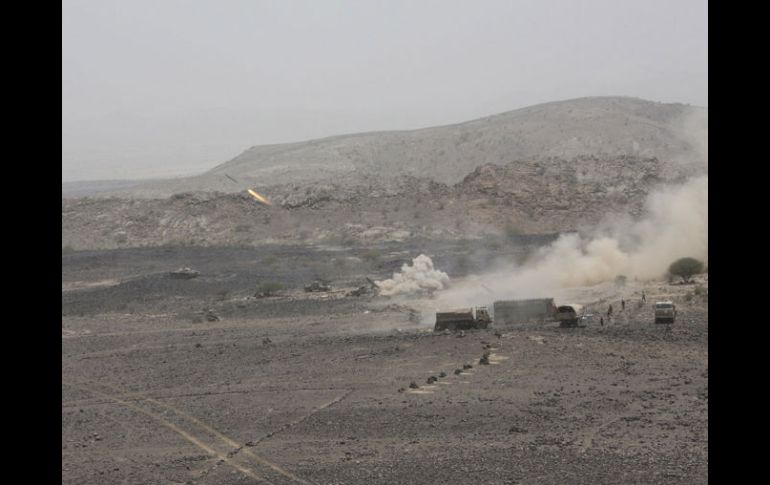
x=675, y=226
x=419, y=278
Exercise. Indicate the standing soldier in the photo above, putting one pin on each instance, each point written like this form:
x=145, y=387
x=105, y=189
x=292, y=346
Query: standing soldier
x=644, y=298
x=601, y=320
x=609, y=312
x=622, y=305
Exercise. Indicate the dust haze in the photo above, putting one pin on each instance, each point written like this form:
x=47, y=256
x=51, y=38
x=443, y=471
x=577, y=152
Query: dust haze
x=674, y=225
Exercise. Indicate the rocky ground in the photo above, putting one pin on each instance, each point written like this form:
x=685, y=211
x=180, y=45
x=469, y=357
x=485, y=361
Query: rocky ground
x=526, y=197
x=199, y=381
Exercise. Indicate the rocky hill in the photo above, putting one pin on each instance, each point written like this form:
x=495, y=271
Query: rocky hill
x=603, y=127
x=523, y=197
x=555, y=167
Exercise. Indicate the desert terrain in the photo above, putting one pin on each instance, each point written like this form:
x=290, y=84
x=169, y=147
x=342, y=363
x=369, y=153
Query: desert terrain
x=233, y=372
x=314, y=387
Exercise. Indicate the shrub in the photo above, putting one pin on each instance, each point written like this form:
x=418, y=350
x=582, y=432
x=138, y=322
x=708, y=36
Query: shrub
x=269, y=288
x=463, y=263
x=371, y=256
x=493, y=245
x=512, y=231
x=620, y=280
x=685, y=268
x=341, y=240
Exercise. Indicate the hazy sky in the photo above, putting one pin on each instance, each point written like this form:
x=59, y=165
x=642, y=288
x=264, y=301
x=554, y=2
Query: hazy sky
x=173, y=87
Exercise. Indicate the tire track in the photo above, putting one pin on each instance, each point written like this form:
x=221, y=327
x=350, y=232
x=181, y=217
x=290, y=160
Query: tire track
x=303, y=418
x=168, y=424
x=197, y=432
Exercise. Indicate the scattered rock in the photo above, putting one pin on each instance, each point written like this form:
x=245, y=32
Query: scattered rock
x=442, y=374
x=413, y=385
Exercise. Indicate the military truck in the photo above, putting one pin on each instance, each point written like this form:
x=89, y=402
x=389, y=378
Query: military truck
x=184, y=273
x=516, y=312
x=569, y=315
x=665, y=312
x=318, y=286
x=463, y=319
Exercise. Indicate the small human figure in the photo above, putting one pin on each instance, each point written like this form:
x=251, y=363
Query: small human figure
x=644, y=297
x=601, y=321
x=622, y=305
x=609, y=311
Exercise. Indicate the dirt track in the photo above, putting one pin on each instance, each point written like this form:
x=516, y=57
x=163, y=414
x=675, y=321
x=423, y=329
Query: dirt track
x=149, y=396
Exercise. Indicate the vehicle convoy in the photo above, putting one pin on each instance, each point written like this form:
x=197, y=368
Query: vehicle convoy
x=665, y=312
x=463, y=319
x=569, y=315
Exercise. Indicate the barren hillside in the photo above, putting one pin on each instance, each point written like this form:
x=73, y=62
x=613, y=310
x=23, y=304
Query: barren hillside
x=600, y=126
x=517, y=198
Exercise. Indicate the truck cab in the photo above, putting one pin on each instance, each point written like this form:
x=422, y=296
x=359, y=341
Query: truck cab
x=569, y=315
x=463, y=319
x=665, y=312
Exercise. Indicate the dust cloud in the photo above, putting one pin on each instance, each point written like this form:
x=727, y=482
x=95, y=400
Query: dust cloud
x=675, y=226
x=420, y=278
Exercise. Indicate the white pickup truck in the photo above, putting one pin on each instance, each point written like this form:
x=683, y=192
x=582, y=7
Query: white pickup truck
x=665, y=312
